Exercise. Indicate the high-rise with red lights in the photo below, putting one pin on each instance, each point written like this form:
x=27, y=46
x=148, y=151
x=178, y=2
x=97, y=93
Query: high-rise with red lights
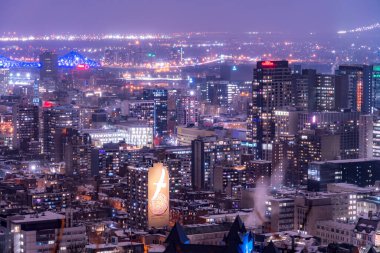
x=271, y=90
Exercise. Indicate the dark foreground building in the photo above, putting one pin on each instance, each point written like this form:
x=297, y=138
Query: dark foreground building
x=238, y=240
x=361, y=172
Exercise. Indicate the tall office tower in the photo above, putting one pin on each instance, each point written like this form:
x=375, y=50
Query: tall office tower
x=49, y=66
x=331, y=93
x=359, y=86
x=219, y=93
x=366, y=136
x=271, y=90
x=325, y=92
x=286, y=128
x=284, y=151
x=208, y=151
x=106, y=161
x=187, y=110
x=26, y=128
x=55, y=118
x=160, y=98
x=207, y=91
x=313, y=145
x=345, y=123
x=304, y=89
x=76, y=152
x=48, y=81
x=376, y=85
x=376, y=137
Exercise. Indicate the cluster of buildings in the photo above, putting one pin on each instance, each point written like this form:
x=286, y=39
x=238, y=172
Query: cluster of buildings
x=249, y=159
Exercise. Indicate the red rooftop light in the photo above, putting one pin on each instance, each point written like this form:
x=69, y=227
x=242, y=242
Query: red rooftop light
x=267, y=64
x=47, y=104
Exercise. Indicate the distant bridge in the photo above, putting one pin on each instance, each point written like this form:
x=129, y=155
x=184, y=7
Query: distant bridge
x=70, y=60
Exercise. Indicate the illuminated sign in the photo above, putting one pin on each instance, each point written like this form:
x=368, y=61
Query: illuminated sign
x=376, y=68
x=314, y=119
x=83, y=66
x=47, y=104
x=267, y=64
x=158, y=196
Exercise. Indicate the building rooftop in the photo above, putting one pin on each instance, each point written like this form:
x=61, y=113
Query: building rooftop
x=207, y=228
x=45, y=216
x=110, y=245
x=347, y=161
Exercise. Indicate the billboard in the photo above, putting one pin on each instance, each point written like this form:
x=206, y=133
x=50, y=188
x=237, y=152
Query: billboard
x=158, y=196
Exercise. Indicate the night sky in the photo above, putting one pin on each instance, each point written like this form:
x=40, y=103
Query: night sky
x=165, y=16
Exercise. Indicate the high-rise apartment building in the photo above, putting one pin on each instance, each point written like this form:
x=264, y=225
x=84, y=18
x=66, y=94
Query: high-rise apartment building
x=160, y=98
x=206, y=153
x=26, y=128
x=271, y=90
x=55, y=118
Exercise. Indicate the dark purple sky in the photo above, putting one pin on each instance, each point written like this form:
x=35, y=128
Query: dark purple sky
x=142, y=16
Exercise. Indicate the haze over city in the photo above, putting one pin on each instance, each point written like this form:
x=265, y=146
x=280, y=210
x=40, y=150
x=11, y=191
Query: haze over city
x=167, y=16
x=189, y=126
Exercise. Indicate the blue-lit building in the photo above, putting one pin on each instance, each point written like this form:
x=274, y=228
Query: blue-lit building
x=376, y=85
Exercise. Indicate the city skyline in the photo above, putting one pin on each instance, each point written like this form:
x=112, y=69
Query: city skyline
x=173, y=126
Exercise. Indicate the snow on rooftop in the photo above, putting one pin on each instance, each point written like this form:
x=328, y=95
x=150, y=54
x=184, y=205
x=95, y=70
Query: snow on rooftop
x=45, y=216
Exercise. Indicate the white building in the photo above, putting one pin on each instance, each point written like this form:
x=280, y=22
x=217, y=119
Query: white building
x=138, y=135
x=333, y=231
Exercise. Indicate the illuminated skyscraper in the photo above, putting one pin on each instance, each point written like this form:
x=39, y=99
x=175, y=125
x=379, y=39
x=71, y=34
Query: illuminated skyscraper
x=304, y=89
x=76, y=152
x=55, y=118
x=187, y=109
x=105, y=161
x=271, y=90
x=160, y=98
x=325, y=93
x=206, y=153
x=376, y=138
x=376, y=85
x=345, y=123
x=26, y=128
x=359, y=85
x=366, y=135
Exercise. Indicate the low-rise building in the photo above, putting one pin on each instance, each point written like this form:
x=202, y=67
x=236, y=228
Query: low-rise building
x=46, y=232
